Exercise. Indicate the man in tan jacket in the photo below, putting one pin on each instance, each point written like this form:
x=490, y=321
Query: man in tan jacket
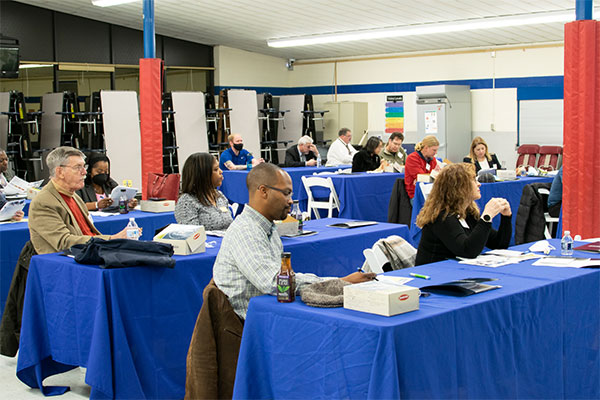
x=58, y=218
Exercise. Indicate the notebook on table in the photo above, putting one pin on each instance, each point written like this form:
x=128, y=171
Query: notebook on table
x=352, y=224
x=593, y=247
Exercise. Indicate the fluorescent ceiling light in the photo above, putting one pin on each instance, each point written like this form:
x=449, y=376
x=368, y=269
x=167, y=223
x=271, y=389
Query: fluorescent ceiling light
x=427, y=29
x=108, y=3
x=24, y=66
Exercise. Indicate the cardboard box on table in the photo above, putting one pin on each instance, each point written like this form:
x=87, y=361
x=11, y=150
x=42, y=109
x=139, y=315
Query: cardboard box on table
x=157, y=206
x=380, y=298
x=186, y=239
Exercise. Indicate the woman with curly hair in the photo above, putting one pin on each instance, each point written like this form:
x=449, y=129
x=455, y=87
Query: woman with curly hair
x=451, y=222
x=480, y=156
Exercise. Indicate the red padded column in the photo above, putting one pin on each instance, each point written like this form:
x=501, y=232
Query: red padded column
x=581, y=168
x=151, y=118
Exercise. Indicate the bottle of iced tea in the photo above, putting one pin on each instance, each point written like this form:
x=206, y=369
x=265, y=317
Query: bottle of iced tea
x=286, y=280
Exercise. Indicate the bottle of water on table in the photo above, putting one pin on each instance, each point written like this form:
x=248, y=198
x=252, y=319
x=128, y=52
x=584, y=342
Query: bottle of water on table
x=133, y=230
x=566, y=244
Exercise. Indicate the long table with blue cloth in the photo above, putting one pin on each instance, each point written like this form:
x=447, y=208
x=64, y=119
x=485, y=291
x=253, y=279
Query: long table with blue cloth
x=234, y=181
x=535, y=337
x=14, y=235
x=510, y=190
x=131, y=327
x=363, y=196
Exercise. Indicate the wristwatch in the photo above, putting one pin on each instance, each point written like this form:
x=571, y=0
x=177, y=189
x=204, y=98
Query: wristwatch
x=486, y=218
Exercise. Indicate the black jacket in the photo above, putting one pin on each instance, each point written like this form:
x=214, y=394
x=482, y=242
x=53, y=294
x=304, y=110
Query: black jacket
x=88, y=194
x=531, y=222
x=292, y=157
x=478, y=167
x=400, y=209
x=447, y=238
x=363, y=161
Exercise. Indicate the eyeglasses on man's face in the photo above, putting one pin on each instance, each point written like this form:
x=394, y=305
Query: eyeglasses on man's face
x=286, y=192
x=77, y=168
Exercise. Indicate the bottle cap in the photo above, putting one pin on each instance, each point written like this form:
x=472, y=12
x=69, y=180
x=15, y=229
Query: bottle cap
x=567, y=232
x=286, y=254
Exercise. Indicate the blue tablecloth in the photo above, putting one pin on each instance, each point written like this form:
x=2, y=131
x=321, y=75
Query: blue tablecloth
x=510, y=190
x=13, y=237
x=362, y=196
x=131, y=327
x=536, y=337
x=234, y=182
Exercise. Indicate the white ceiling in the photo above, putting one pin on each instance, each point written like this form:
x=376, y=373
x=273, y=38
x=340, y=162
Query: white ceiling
x=247, y=24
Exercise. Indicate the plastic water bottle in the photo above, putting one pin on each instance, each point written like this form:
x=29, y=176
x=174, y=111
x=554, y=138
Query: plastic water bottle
x=318, y=161
x=249, y=165
x=123, y=202
x=297, y=214
x=133, y=230
x=566, y=244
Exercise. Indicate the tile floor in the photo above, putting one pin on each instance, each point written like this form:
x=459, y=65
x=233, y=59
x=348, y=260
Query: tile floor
x=14, y=389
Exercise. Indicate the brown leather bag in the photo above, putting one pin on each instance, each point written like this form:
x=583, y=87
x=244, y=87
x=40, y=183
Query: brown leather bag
x=163, y=186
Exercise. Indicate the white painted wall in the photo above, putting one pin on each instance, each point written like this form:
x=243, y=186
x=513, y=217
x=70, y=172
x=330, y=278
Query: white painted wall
x=494, y=111
x=235, y=67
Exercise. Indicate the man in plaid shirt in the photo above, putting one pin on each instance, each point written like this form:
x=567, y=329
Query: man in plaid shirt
x=250, y=256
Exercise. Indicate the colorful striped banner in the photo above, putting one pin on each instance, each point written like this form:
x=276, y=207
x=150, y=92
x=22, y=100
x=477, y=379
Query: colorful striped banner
x=394, y=116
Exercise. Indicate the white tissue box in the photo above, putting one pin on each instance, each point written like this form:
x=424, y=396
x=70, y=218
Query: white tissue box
x=381, y=298
x=157, y=206
x=185, y=239
x=506, y=174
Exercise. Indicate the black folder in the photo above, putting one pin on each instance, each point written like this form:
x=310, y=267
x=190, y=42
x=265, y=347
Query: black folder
x=462, y=287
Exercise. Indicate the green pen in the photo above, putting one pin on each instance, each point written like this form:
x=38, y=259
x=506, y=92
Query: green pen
x=420, y=276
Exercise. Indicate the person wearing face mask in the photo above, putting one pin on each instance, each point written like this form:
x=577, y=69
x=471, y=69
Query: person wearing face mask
x=236, y=157
x=421, y=161
x=98, y=184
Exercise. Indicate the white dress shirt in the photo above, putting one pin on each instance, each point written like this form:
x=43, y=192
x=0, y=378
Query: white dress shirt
x=340, y=153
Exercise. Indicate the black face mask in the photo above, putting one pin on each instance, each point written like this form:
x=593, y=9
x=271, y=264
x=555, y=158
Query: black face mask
x=238, y=146
x=100, y=179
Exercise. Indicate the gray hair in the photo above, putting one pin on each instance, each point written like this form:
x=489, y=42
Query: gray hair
x=305, y=140
x=343, y=131
x=60, y=156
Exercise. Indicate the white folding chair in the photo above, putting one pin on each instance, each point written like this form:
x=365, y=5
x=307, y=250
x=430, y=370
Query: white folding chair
x=375, y=259
x=332, y=203
x=233, y=207
x=549, y=220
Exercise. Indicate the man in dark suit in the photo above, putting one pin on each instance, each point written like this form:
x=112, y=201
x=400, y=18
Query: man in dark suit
x=304, y=154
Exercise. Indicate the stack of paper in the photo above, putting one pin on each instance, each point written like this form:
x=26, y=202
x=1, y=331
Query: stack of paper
x=18, y=187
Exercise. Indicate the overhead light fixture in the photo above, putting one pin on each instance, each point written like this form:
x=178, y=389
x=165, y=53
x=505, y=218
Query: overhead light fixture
x=85, y=67
x=427, y=29
x=108, y=3
x=24, y=66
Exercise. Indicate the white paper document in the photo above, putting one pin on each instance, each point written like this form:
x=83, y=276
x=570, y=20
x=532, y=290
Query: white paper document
x=18, y=186
x=393, y=280
x=10, y=208
x=129, y=192
x=567, y=262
